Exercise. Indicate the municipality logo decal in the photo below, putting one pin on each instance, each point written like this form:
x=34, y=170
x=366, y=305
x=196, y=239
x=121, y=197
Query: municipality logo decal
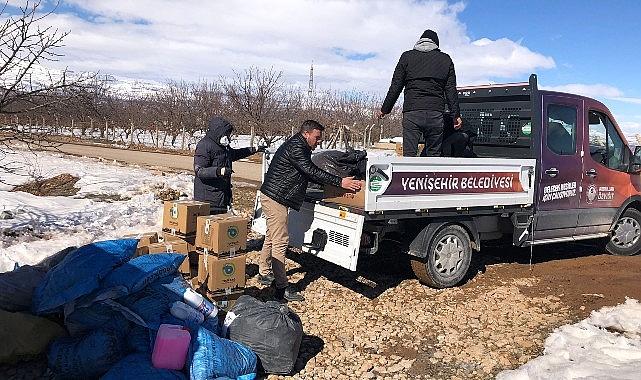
x=229, y=269
x=173, y=211
x=591, y=194
x=232, y=232
x=375, y=183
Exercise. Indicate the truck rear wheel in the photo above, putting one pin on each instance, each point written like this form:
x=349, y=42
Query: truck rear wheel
x=447, y=260
x=626, y=235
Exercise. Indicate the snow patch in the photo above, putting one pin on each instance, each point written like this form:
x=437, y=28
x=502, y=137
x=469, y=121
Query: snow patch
x=606, y=345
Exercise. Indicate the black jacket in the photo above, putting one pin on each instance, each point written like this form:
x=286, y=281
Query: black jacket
x=429, y=80
x=208, y=158
x=290, y=170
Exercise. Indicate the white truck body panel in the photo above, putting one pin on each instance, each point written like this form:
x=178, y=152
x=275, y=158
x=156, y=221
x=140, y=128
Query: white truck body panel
x=432, y=183
x=343, y=231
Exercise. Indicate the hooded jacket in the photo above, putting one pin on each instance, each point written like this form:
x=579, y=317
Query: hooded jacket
x=429, y=79
x=210, y=156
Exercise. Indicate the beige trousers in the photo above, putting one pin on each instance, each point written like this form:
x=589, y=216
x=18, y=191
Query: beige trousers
x=272, y=257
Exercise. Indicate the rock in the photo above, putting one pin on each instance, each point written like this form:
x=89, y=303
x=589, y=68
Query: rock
x=395, y=368
x=6, y=214
x=407, y=364
x=380, y=370
x=366, y=366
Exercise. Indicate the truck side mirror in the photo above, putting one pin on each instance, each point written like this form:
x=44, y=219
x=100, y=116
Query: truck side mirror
x=635, y=166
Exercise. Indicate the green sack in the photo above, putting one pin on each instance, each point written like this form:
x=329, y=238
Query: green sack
x=24, y=336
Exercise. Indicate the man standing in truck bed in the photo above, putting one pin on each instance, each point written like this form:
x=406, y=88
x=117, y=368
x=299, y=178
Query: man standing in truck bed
x=428, y=76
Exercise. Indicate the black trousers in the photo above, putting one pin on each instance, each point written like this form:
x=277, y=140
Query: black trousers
x=426, y=124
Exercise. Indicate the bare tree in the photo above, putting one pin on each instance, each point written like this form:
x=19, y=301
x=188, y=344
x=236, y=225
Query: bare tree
x=25, y=85
x=260, y=100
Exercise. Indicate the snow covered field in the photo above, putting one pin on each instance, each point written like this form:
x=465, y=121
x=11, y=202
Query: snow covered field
x=42, y=226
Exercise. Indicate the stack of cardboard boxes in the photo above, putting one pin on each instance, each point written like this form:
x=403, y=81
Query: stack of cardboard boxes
x=179, y=231
x=213, y=244
x=220, y=240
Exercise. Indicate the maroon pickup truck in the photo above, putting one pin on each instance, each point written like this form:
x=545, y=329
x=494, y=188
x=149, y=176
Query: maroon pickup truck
x=551, y=167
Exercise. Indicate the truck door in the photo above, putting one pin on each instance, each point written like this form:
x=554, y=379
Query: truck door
x=606, y=181
x=561, y=168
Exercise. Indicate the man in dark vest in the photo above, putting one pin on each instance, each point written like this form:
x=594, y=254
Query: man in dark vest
x=429, y=79
x=213, y=165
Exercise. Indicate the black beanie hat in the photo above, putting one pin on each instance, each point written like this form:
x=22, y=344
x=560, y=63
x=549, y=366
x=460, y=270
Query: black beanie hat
x=431, y=35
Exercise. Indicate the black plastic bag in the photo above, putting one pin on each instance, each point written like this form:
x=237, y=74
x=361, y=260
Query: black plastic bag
x=352, y=163
x=457, y=143
x=270, y=329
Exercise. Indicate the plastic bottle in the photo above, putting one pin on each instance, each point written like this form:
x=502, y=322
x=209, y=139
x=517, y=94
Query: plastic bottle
x=198, y=302
x=171, y=346
x=187, y=313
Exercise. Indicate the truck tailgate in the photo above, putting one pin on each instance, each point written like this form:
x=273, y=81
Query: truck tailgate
x=338, y=230
x=408, y=183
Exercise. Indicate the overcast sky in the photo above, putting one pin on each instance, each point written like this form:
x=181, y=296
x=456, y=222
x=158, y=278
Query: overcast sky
x=585, y=46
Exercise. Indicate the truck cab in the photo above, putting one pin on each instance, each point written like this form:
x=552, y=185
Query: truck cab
x=551, y=167
x=588, y=178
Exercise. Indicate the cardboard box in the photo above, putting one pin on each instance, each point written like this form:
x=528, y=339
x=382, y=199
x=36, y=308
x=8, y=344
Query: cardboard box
x=173, y=247
x=220, y=273
x=221, y=233
x=180, y=216
x=168, y=237
x=333, y=194
x=226, y=300
x=384, y=145
x=399, y=149
x=144, y=239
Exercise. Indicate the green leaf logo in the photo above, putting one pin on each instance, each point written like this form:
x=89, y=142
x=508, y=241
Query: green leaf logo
x=375, y=183
x=229, y=269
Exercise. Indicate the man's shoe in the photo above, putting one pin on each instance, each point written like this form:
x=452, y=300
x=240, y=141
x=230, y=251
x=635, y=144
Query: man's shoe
x=292, y=295
x=266, y=280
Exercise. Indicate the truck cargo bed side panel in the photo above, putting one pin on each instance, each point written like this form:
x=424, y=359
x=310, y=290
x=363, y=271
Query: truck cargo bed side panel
x=408, y=183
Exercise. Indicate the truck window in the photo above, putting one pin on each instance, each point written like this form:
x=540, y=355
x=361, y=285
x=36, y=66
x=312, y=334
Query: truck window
x=561, y=129
x=606, y=146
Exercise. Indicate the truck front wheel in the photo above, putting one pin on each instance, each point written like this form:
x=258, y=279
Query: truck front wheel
x=447, y=260
x=626, y=235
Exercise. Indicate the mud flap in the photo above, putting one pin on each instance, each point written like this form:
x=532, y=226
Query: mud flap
x=332, y=234
x=523, y=229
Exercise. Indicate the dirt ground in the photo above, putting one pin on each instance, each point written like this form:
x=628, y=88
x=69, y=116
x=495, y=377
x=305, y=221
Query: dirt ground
x=380, y=322
x=60, y=185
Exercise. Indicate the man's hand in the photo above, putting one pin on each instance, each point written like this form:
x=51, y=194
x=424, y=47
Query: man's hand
x=380, y=114
x=224, y=172
x=458, y=123
x=349, y=183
